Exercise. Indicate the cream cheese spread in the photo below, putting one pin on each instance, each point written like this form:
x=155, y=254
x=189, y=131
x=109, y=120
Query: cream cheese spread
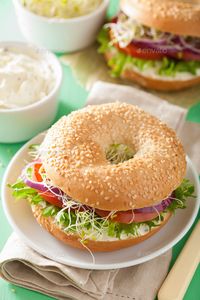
x=151, y=72
x=25, y=78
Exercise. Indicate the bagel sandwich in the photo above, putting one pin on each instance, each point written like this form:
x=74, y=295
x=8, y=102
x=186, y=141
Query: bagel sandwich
x=105, y=177
x=154, y=43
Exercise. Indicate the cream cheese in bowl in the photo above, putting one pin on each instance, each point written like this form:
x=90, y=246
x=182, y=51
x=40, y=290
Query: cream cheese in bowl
x=30, y=81
x=25, y=78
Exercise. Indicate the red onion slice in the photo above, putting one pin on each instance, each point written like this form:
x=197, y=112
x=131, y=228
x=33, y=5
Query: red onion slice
x=189, y=53
x=169, y=47
x=159, y=207
x=149, y=42
x=40, y=186
x=188, y=46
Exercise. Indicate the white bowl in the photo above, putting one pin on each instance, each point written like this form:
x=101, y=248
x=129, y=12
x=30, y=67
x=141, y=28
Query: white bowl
x=61, y=35
x=21, y=124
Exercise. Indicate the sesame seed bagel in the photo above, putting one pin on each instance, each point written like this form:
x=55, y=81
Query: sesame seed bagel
x=74, y=157
x=175, y=16
x=73, y=240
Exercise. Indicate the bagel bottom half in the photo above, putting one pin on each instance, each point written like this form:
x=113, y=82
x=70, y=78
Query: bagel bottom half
x=95, y=246
x=154, y=83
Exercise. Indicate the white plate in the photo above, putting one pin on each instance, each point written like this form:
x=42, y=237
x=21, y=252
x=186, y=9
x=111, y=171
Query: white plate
x=21, y=219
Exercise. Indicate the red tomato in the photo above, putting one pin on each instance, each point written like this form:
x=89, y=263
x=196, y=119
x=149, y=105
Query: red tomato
x=38, y=176
x=127, y=217
x=146, y=53
x=114, y=20
x=138, y=52
x=49, y=197
x=143, y=53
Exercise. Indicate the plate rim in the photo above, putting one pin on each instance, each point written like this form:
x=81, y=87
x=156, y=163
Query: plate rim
x=94, y=266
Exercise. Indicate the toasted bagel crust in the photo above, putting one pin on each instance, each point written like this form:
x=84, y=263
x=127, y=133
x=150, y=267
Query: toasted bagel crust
x=74, y=157
x=174, y=16
x=95, y=246
x=154, y=83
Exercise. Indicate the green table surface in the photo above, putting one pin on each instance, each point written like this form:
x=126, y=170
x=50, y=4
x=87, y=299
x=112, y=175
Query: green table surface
x=72, y=97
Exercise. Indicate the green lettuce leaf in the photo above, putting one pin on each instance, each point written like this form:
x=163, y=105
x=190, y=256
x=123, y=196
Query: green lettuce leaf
x=21, y=191
x=103, y=40
x=170, y=67
x=50, y=211
x=184, y=191
x=120, y=61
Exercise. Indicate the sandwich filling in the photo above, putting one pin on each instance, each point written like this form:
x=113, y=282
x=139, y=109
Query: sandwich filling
x=90, y=223
x=146, y=50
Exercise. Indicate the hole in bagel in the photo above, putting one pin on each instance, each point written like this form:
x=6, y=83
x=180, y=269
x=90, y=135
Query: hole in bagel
x=118, y=153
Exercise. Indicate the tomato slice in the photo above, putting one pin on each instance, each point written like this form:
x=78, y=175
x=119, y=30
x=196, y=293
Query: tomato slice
x=144, y=53
x=38, y=176
x=49, y=197
x=135, y=51
x=128, y=217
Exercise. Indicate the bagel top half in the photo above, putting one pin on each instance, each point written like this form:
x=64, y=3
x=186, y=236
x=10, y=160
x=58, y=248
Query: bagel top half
x=176, y=16
x=74, y=157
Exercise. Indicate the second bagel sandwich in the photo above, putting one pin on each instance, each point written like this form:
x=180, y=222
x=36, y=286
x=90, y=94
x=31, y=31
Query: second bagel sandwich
x=154, y=43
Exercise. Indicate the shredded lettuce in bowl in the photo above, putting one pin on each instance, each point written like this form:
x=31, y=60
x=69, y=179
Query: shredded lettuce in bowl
x=120, y=61
x=63, y=9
